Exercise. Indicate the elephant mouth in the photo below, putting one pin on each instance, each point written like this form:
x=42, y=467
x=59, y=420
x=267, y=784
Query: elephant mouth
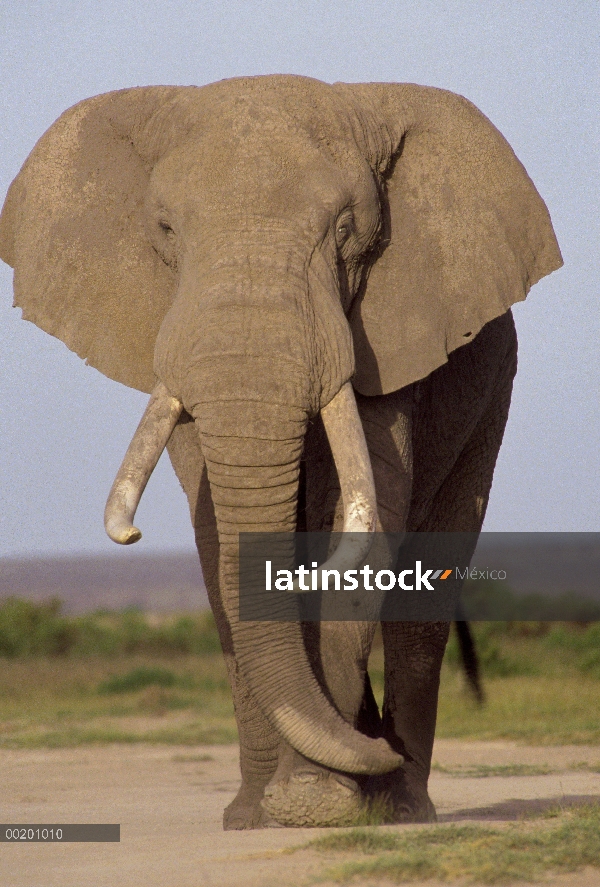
x=348, y=446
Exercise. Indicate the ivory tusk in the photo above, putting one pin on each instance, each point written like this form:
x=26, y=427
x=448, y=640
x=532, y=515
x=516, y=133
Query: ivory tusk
x=349, y=448
x=151, y=436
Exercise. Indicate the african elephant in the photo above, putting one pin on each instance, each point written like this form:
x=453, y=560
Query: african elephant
x=303, y=274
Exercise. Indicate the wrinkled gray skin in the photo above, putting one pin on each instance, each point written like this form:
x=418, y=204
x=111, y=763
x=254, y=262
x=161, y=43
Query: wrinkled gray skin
x=223, y=235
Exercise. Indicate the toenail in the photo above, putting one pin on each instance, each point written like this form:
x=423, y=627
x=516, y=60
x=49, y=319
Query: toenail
x=308, y=777
x=346, y=781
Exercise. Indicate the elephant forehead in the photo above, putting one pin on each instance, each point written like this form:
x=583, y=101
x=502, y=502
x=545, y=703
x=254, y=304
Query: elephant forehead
x=280, y=100
x=286, y=167
x=255, y=112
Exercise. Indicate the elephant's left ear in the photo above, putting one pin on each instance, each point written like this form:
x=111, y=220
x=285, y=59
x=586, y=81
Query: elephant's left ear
x=465, y=232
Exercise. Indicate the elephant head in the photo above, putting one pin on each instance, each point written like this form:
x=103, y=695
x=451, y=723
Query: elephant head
x=248, y=248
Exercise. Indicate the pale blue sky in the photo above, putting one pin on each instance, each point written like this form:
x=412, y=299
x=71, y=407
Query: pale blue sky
x=532, y=67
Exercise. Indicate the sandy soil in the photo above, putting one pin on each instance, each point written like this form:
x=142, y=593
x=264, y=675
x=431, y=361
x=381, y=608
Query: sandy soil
x=169, y=802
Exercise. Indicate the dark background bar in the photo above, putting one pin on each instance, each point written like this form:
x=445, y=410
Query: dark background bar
x=100, y=832
x=536, y=577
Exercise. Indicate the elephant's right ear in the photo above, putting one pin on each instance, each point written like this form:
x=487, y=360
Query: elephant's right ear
x=465, y=233
x=72, y=228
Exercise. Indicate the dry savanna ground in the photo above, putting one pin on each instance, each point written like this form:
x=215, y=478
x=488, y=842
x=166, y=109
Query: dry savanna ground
x=127, y=718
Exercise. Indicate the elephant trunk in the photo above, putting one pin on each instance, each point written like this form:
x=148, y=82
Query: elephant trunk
x=254, y=484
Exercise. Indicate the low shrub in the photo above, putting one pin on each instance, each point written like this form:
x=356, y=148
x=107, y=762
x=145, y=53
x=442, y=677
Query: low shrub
x=494, y=659
x=29, y=629
x=39, y=629
x=137, y=679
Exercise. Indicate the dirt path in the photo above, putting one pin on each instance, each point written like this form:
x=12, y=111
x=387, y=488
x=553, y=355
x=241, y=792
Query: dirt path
x=169, y=802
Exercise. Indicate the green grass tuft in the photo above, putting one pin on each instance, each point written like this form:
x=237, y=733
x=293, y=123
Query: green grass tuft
x=482, y=771
x=137, y=678
x=469, y=853
x=356, y=840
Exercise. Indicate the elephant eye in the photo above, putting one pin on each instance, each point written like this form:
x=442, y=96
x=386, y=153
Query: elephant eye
x=343, y=231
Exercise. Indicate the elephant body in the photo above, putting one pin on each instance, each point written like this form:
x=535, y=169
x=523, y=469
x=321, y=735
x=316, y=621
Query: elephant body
x=441, y=437
x=319, y=277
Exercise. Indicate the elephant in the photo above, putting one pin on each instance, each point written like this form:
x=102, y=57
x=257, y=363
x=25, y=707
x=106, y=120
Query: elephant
x=314, y=281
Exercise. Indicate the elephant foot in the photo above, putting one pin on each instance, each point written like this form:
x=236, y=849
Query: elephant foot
x=245, y=812
x=402, y=799
x=406, y=811
x=314, y=797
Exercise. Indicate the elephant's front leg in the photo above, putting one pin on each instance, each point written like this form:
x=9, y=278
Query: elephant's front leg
x=302, y=792
x=413, y=651
x=259, y=748
x=259, y=742
x=413, y=654
x=456, y=444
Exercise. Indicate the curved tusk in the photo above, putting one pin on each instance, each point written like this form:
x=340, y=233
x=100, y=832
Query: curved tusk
x=144, y=451
x=349, y=448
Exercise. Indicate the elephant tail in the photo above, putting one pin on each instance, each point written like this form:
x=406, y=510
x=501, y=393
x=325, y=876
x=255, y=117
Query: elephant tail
x=470, y=659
